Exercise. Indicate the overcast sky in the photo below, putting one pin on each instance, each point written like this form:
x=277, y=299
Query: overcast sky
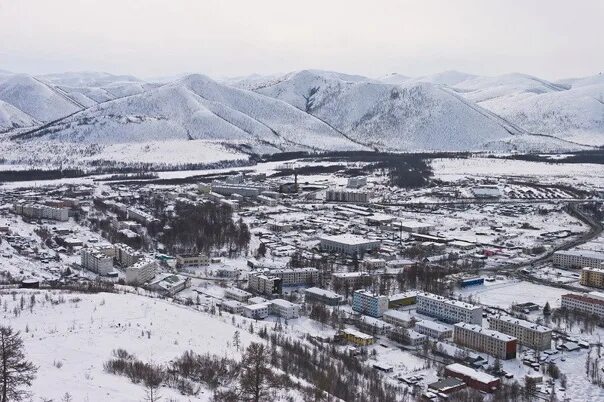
x=548, y=38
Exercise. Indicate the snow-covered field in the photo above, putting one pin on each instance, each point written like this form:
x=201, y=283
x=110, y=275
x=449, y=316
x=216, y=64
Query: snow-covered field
x=71, y=338
x=505, y=293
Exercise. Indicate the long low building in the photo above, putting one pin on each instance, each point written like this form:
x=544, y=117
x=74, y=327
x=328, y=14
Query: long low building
x=348, y=244
x=448, y=310
x=578, y=259
x=494, y=343
x=40, y=211
x=592, y=303
x=324, y=296
x=528, y=333
x=433, y=329
x=473, y=378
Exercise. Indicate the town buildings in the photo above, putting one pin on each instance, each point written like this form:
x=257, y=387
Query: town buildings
x=528, y=334
x=494, y=343
x=40, y=211
x=433, y=329
x=448, y=310
x=192, y=260
x=257, y=311
x=126, y=255
x=284, y=309
x=473, y=378
x=237, y=294
x=264, y=284
x=346, y=195
x=97, y=260
x=357, y=337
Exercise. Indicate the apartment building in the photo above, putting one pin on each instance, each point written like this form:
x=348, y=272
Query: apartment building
x=40, y=211
x=448, y=310
x=264, y=284
x=324, y=296
x=126, y=255
x=592, y=277
x=403, y=299
x=284, y=309
x=296, y=276
x=347, y=195
x=141, y=272
x=96, y=260
x=350, y=280
x=140, y=216
x=192, y=260
x=494, y=343
x=232, y=306
x=592, y=303
x=433, y=329
x=528, y=334
x=237, y=294
x=369, y=303
x=578, y=259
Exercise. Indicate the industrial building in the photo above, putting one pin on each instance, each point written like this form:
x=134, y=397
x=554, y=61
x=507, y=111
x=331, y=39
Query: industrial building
x=528, y=334
x=578, y=259
x=494, y=343
x=473, y=378
x=324, y=296
x=369, y=303
x=348, y=244
x=448, y=310
x=141, y=272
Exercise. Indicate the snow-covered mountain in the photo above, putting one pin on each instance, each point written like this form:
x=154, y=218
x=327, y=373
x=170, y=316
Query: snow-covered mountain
x=571, y=109
x=37, y=99
x=409, y=116
x=197, y=107
x=12, y=118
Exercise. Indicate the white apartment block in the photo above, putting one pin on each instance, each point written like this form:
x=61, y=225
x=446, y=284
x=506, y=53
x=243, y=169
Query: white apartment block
x=448, y=310
x=192, y=260
x=578, y=259
x=369, y=303
x=126, y=255
x=232, y=306
x=398, y=318
x=284, y=309
x=592, y=303
x=95, y=260
x=39, y=211
x=494, y=343
x=433, y=329
x=141, y=272
x=255, y=311
x=528, y=334
x=237, y=294
x=296, y=276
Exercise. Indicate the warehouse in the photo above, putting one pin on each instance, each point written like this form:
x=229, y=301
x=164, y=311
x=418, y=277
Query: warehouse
x=348, y=244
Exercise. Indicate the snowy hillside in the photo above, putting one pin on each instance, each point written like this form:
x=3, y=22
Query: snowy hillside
x=199, y=108
x=37, y=99
x=11, y=117
x=415, y=116
x=571, y=109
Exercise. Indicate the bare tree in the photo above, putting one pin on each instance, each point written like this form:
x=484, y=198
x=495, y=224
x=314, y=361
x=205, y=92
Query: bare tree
x=15, y=371
x=256, y=374
x=153, y=380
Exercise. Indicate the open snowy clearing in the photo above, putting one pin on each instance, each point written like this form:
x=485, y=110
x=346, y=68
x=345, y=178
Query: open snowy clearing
x=73, y=337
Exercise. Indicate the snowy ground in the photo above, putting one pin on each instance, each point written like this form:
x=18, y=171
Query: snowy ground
x=80, y=334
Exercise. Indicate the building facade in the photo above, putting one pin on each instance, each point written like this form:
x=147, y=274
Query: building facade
x=448, y=310
x=578, y=259
x=95, y=260
x=494, y=343
x=369, y=303
x=348, y=244
x=592, y=277
x=528, y=334
x=141, y=272
x=592, y=303
x=324, y=296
